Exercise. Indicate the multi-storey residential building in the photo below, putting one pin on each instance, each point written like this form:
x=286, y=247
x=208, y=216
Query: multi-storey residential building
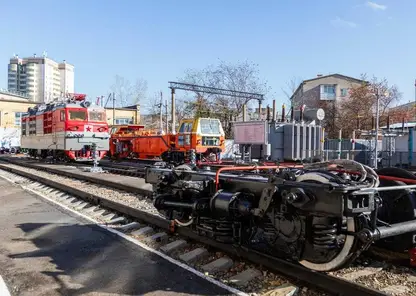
x=323, y=88
x=40, y=78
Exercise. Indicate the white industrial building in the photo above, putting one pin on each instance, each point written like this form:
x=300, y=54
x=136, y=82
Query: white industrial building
x=40, y=78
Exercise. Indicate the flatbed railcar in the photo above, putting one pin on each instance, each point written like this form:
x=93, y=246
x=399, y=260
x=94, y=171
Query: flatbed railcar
x=67, y=128
x=202, y=139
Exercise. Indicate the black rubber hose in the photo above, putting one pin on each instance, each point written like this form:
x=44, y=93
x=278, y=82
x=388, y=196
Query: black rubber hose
x=396, y=172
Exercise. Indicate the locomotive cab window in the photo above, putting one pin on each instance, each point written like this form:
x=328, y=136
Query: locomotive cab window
x=96, y=116
x=77, y=115
x=62, y=115
x=186, y=127
x=210, y=126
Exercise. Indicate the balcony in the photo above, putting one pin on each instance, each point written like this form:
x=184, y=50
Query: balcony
x=327, y=96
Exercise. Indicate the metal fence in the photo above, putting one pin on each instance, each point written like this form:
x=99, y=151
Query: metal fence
x=363, y=152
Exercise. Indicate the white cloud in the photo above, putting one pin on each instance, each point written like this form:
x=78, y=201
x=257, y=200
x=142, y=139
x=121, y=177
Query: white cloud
x=375, y=6
x=339, y=22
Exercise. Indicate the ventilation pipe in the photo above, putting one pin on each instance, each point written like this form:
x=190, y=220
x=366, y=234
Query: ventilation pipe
x=244, y=112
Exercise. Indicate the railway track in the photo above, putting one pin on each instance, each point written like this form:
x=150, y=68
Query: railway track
x=132, y=213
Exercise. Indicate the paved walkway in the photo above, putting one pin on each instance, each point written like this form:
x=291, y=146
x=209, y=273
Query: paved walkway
x=46, y=251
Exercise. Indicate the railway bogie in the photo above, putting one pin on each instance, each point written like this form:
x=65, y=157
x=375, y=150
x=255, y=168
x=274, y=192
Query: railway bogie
x=317, y=216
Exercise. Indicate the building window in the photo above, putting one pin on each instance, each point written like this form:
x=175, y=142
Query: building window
x=18, y=118
x=124, y=121
x=344, y=92
x=329, y=89
x=328, y=92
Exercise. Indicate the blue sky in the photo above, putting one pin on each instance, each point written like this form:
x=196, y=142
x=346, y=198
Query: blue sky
x=158, y=40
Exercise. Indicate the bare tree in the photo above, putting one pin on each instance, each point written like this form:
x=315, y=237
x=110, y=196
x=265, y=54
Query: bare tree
x=127, y=94
x=360, y=105
x=139, y=91
x=243, y=76
x=290, y=89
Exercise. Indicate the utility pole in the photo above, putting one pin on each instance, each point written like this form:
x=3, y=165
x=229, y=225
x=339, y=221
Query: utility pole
x=173, y=111
x=167, y=119
x=160, y=106
x=377, y=128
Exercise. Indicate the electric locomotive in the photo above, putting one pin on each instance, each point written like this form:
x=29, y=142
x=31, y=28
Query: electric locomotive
x=67, y=128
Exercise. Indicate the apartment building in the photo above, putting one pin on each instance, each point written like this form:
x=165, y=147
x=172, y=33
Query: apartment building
x=40, y=78
x=323, y=88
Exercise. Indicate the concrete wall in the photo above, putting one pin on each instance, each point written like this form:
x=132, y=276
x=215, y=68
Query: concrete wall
x=8, y=110
x=123, y=113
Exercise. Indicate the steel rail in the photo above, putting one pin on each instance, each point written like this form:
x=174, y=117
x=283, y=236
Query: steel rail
x=75, y=175
x=322, y=281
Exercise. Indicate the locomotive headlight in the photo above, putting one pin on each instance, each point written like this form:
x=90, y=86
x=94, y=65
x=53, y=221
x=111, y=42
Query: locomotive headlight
x=74, y=128
x=102, y=129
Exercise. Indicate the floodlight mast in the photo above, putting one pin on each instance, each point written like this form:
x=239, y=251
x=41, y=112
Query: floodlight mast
x=209, y=90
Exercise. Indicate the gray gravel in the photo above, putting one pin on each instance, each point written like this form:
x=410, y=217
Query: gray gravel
x=132, y=200
x=393, y=280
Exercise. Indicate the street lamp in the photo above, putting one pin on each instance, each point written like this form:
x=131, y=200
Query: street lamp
x=385, y=94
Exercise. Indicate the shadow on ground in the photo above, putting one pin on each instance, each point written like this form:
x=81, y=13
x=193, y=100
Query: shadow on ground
x=101, y=262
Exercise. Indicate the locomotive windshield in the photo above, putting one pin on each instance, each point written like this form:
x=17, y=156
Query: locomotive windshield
x=77, y=115
x=96, y=116
x=210, y=126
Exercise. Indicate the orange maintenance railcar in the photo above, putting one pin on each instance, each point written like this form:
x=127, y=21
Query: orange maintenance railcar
x=203, y=135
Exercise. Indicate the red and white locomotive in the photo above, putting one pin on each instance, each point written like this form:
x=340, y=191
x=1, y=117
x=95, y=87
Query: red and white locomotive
x=66, y=128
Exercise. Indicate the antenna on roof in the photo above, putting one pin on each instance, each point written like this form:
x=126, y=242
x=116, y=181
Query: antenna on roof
x=45, y=54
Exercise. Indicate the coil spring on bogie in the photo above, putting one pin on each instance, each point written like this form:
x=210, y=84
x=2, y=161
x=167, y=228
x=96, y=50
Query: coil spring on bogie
x=325, y=236
x=220, y=230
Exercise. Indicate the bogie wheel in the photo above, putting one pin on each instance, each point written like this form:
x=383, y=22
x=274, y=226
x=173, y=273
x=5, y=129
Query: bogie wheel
x=347, y=251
